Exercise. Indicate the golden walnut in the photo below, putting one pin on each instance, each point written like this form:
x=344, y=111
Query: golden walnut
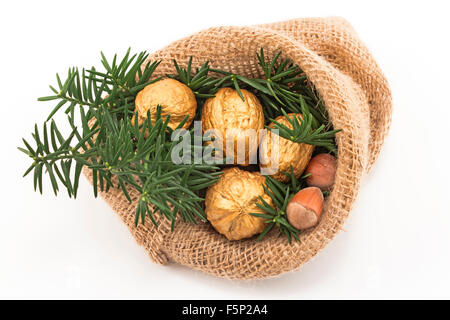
x=174, y=97
x=230, y=201
x=231, y=116
x=290, y=153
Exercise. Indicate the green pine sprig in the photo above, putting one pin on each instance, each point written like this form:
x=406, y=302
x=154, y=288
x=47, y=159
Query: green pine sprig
x=302, y=130
x=119, y=153
x=116, y=87
x=279, y=89
x=281, y=194
x=200, y=82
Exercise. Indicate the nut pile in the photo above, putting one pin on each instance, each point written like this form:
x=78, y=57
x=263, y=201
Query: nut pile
x=230, y=202
x=199, y=144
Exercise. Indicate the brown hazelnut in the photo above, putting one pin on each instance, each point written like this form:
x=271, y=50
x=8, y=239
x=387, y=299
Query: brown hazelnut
x=174, y=97
x=322, y=170
x=230, y=115
x=305, y=208
x=290, y=153
x=229, y=202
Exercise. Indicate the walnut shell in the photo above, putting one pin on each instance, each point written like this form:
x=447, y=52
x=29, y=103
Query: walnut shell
x=174, y=97
x=228, y=114
x=230, y=201
x=290, y=153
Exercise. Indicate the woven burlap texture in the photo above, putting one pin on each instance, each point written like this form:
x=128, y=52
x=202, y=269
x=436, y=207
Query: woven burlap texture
x=358, y=100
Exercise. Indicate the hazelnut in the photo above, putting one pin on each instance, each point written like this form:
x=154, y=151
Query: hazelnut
x=290, y=153
x=305, y=208
x=229, y=202
x=174, y=97
x=322, y=170
x=230, y=115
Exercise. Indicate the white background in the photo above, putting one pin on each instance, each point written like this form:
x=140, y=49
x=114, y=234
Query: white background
x=396, y=241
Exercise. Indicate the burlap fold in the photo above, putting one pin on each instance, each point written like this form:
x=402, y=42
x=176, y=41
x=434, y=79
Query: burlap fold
x=358, y=100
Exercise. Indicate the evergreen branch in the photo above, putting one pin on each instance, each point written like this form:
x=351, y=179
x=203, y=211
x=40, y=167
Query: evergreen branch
x=275, y=215
x=203, y=85
x=284, y=86
x=301, y=130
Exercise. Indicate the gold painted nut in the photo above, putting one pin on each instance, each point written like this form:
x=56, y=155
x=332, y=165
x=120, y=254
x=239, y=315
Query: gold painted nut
x=290, y=153
x=230, y=115
x=174, y=97
x=230, y=201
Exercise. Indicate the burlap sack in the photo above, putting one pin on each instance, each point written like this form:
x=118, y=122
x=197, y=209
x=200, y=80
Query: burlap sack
x=358, y=99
